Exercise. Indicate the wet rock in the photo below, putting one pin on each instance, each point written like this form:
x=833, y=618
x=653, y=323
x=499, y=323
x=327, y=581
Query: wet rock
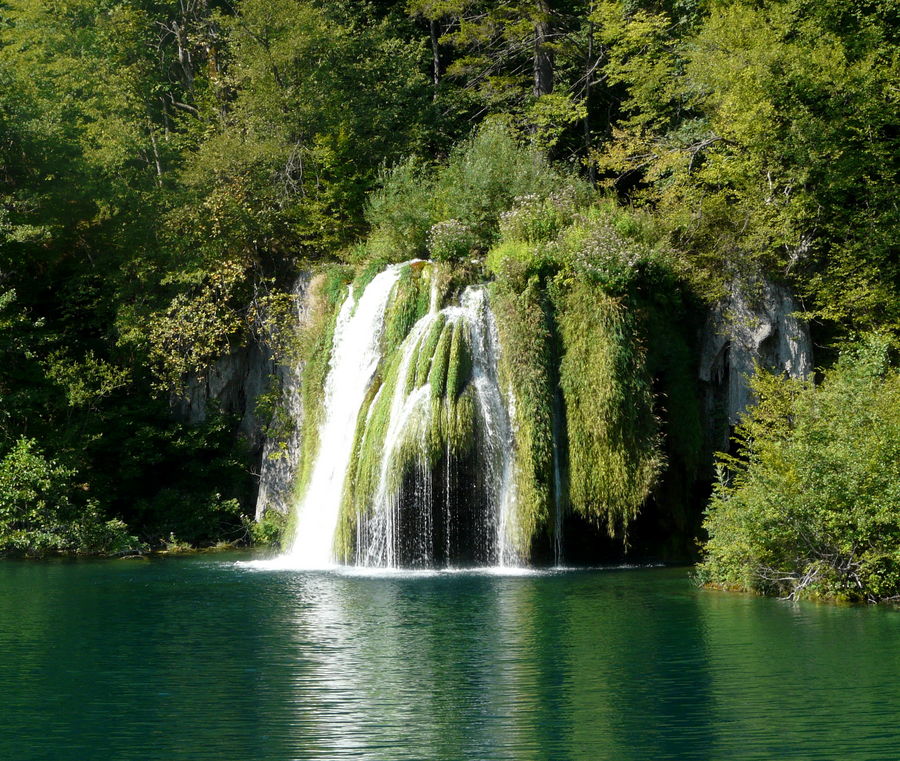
x=281, y=450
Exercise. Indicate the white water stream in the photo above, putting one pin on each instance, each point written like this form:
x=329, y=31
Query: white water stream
x=354, y=358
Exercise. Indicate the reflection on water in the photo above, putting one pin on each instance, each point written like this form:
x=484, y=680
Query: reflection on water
x=204, y=659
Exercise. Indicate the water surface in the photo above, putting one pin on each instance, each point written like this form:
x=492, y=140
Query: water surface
x=203, y=658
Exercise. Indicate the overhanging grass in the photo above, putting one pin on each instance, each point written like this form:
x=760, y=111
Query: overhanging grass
x=526, y=370
x=614, y=442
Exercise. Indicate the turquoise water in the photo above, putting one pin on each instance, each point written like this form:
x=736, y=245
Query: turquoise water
x=200, y=658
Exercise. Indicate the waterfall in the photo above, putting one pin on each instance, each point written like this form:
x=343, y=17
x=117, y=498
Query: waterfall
x=424, y=407
x=416, y=451
x=356, y=352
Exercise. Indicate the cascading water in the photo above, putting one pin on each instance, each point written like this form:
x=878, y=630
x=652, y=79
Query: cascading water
x=415, y=460
x=446, y=388
x=355, y=356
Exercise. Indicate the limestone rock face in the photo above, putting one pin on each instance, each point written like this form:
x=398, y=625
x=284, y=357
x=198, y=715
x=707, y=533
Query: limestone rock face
x=234, y=384
x=754, y=324
x=281, y=450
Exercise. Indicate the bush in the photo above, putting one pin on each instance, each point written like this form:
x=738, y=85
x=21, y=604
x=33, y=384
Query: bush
x=451, y=240
x=401, y=212
x=535, y=219
x=457, y=208
x=487, y=173
x=269, y=530
x=38, y=514
x=811, y=504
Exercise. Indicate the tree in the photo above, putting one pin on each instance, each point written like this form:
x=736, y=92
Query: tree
x=766, y=135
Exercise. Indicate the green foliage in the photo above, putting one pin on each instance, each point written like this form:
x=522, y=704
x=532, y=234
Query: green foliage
x=322, y=97
x=614, y=446
x=411, y=302
x=165, y=477
x=763, y=134
x=485, y=174
x=450, y=240
x=400, y=212
x=811, y=504
x=513, y=262
x=39, y=514
x=455, y=210
x=527, y=371
x=270, y=530
x=534, y=219
x=87, y=381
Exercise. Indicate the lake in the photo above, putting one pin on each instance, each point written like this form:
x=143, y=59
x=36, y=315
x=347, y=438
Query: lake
x=203, y=657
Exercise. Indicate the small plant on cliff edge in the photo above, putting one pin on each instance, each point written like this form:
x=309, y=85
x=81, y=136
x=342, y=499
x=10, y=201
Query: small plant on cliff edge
x=269, y=530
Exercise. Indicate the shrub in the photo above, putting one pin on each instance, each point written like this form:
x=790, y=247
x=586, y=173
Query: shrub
x=811, y=504
x=269, y=530
x=457, y=208
x=401, y=212
x=451, y=240
x=488, y=172
x=39, y=515
x=536, y=219
x=514, y=263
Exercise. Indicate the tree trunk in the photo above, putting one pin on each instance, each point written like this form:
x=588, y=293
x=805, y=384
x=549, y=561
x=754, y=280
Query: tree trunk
x=543, y=57
x=435, y=55
x=184, y=56
x=588, y=76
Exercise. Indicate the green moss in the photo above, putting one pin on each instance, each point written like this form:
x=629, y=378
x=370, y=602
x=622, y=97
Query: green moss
x=526, y=368
x=422, y=365
x=460, y=367
x=345, y=534
x=408, y=305
x=364, y=468
x=513, y=260
x=614, y=443
x=443, y=419
x=437, y=376
x=366, y=273
x=460, y=422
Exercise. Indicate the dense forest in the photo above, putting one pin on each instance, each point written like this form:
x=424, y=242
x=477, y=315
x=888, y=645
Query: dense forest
x=168, y=169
